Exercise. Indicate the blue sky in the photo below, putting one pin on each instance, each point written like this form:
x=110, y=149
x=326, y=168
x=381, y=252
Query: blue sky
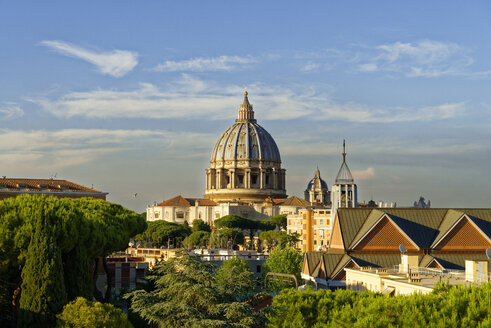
x=131, y=96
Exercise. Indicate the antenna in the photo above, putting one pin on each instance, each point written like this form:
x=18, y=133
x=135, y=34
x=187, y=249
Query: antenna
x=488, y=253
x=402, y=248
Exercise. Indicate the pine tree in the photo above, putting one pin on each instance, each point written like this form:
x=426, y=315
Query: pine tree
x=43, y=287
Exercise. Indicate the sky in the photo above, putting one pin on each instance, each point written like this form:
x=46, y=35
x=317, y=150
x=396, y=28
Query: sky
x=130, y=96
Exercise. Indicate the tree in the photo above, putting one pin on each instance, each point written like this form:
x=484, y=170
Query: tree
x=186, y=295
x=43, y=287
x=163, y=233
x=200, y=225
x=197, y=238
x=227, y=238
x=82, y=229
x=280, y=221
x=82, y=313
x=283, y=260
x=235, y=279
x=446, y=306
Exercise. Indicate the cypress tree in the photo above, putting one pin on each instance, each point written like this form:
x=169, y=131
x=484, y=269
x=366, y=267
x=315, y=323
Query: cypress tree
x=78, y=281
x=43, y=287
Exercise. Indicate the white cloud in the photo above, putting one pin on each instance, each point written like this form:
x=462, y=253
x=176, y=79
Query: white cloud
x=193, y=98
x=367, y=174
x=10, y=111
x=222, y=63
x=426, y=58
x=116, y=63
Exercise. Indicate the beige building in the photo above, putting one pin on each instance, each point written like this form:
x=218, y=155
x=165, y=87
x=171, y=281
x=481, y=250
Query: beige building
x=314, y=228
x=408, y=278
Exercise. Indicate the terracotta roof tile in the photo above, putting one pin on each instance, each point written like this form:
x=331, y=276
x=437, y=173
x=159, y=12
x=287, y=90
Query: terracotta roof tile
x=46, y=185
x=180, y=201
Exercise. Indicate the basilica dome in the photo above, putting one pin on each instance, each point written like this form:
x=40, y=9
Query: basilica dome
x=246, y=140
x=245, y=163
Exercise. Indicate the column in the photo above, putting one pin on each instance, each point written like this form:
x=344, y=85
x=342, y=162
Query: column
x=247, y=179
x=232, y=179
x=275, y=178
x=261, y=178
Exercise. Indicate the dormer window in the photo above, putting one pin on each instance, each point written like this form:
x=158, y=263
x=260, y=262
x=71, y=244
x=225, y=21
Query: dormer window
x=3, y=186
x=64, y=187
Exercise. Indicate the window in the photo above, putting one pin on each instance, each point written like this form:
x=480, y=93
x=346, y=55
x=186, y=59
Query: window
x=321, y=232
x=254, y=179
x=241, y=179
x=258, y=269
x=180, y=215
x=157, y=214
x=322, y=222
x=315, y=242
x=267, y=179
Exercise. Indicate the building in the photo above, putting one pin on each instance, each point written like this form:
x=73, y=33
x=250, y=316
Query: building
x=179, y=210
x=314, y=228
x=441, y=239
x=245, y=163
x=245, y=178
x=344, y=190
x=408, y=278
x=314, y=222
x=12, y=187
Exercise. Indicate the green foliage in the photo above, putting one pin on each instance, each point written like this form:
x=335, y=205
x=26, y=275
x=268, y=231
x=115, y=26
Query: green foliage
x=280, y=221
x=227, y=238
x=80, y=229
x=447, y=306
x=283, y=260
x=162, y=233
x=186, y=295
x=233, y=221
x=274, y=238
x=82, y=313
x=43, y=288
x=78, y=280
x=200, y=225
x=235, y=279
x=197, y=238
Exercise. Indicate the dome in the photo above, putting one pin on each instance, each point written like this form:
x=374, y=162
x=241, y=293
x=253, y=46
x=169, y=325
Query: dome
x=246, y=140
x=311, y=183
x=245, y=163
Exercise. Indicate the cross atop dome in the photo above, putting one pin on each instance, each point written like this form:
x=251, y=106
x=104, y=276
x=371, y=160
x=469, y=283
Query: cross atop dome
x=246, y=113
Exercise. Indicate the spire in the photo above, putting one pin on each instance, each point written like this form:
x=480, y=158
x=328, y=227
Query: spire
x=344, y=174
x=245, y=110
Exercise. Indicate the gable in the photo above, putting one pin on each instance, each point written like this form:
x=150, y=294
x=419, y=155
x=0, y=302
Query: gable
x=464, y=235
x=384, y=235
x=341, y=274
x=336, y=237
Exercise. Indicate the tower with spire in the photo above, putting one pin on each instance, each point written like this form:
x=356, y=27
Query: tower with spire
x=344, y=190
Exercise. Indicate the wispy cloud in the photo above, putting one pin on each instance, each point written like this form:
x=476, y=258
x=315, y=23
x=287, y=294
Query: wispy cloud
x=116, y=63
x=10, y=111
x=54, y=150
x=202, y=64
x=426, y=58
x=190, y=97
